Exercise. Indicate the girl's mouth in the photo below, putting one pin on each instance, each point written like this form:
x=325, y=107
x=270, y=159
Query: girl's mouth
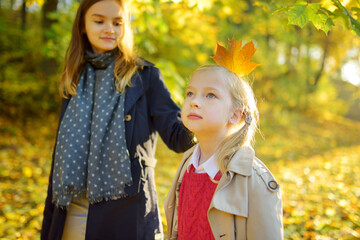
x=194, y=116
x=107, y=39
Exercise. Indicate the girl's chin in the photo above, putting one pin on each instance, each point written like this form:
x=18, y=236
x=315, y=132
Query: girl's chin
x=196, y=131
x=104, y=49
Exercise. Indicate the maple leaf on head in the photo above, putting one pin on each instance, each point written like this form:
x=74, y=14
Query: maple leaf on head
x=236, y=59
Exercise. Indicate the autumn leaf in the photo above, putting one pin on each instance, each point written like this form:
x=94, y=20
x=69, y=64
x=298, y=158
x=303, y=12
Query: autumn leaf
x=236, y=59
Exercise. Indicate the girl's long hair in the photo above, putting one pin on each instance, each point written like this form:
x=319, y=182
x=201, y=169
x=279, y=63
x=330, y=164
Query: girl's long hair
x=242, y=96
x=126, y=62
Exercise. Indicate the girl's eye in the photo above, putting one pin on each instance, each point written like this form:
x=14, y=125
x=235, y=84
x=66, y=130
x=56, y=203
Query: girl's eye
x=189, y=94
x=211, y=95
x=119, y=23
x=99, y=21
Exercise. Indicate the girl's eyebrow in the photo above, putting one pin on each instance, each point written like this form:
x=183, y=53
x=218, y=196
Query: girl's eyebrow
x=99, y=15
x=211, y=89
x=206, y=88
x=190, y=88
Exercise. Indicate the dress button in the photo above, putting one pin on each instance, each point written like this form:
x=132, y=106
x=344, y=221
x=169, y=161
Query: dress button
x=127, y=117
x=273, y=185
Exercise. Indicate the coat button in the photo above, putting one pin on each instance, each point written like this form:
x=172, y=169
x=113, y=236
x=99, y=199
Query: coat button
x=273, y=185
x=127, y=117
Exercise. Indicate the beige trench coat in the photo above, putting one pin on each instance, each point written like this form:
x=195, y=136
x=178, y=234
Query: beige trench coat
x=246, y=203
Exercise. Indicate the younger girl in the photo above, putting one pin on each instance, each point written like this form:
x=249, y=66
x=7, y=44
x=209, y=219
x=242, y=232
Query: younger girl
x=221, y=190
x=114, y=103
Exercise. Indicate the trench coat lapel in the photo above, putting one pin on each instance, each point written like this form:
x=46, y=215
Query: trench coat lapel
x=231, y=194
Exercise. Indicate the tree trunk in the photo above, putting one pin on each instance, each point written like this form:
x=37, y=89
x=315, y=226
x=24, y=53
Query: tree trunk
x=325, y=53
x=23, y=15
x=49, y=66
x=48, y=7
x=250, y=5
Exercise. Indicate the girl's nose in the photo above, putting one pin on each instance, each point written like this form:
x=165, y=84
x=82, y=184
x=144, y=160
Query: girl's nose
x=194, y=103
x=109, y=28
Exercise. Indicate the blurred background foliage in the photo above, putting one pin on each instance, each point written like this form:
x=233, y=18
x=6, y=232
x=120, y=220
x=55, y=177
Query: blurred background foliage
x=307, y=89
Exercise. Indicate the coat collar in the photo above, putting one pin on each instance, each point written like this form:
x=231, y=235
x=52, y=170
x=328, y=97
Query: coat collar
x=133, y=93
x=137, y=88
x=188, y=153
x=242, y=161
x=144, y=63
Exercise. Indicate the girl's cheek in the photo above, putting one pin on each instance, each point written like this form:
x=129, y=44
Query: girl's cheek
x=184, y=112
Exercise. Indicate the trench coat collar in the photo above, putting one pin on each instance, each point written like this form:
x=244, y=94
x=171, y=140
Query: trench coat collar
x=242, y=161
x=137, y=89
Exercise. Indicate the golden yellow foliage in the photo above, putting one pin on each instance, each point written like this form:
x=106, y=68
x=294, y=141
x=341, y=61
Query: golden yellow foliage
x=236, y=59
x=317, y=166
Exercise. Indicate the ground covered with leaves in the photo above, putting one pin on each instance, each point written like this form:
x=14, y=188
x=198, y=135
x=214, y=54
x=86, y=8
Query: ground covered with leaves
x=316, y=162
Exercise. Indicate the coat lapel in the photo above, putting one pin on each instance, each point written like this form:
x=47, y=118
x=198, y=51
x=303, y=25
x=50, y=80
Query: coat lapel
x=133, y=93
x=231, y=194
x=137, y=89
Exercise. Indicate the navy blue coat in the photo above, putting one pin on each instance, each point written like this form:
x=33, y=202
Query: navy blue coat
x=148, y=109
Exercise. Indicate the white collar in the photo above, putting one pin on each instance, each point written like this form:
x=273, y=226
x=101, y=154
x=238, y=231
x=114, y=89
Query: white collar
x=210, y=166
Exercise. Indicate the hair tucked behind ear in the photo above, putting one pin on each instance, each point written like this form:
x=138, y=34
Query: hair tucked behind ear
x=126, y=63
x=242, y=133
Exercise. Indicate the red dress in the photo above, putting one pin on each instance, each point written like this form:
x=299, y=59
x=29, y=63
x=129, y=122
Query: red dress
x=196, y=192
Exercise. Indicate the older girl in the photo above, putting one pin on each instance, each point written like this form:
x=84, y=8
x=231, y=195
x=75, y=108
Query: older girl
x=114, y=103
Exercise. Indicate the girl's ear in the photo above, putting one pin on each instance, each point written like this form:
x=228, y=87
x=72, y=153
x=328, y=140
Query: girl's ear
x=235, y=118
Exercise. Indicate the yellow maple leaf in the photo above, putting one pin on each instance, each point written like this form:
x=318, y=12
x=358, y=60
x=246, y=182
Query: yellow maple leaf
x=236, y=59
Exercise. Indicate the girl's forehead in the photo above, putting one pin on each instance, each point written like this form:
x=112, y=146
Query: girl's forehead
x=204, y=81
x=109, y=8
x=207, y=77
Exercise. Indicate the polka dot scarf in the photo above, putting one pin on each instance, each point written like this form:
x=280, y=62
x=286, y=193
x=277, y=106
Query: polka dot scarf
x=91, y=155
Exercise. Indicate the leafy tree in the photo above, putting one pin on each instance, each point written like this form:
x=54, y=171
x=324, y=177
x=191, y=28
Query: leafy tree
x=301, y=45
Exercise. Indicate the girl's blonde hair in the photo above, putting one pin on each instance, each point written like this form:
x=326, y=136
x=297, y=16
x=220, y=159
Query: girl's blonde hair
x=242, y=133
x=126, y=62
